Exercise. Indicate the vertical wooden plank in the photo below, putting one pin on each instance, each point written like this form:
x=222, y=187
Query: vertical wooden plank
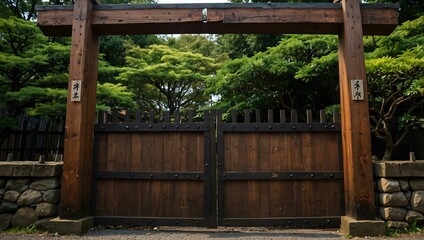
x=322, y=117
x=253, y=185
x=157, y=158
x=147, y=151
x=246, y=116
x=258, y=116
x=309, y=117
x=359, y=192
x=253, y=152
x=336, y=115
x=293, y=116
x=308, y=165
x=270, y=116
x=185, y=165
x=192, y=157
x=136, y=155
x=111, y=157
x=177, y=116
x=275, y=152
x=264, y=198
x=102, y=155
x=200, y=150
x=253, y=198
x=156, y=193
x=282, y=116
x=138, y=116
x=166, y=117
x=321, y=158
x=167, y=158
x=80, y=116
x=190, y=114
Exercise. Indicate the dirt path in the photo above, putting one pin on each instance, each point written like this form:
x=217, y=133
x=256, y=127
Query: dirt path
x=183, y=233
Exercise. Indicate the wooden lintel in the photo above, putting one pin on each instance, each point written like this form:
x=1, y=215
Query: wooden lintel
x=218, y=18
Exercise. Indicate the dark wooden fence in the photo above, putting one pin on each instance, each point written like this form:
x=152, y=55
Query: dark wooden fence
x=154, y=172
x=173, y=170
x=278, y=173
x=35, y=137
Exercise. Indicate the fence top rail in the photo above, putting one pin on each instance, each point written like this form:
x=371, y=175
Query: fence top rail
x=233, y=116
x=279, y=116
x=150, y=117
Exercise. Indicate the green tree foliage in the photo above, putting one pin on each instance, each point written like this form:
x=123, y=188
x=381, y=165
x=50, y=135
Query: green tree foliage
x=23, y=9
x=268, y=79
x=34, y=73
x=27, y=59
x=395, y=72
x=203, y=44
x=163, y=78
x=113, y=49
x=239, y=45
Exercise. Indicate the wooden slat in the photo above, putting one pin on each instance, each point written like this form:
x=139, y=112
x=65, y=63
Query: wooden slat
x=270, y=116
x=165, y=198
x=257, y=115
x=282, y=116
x=322, y=116
x=246, y=18
x=309, y=117
x=246, y=116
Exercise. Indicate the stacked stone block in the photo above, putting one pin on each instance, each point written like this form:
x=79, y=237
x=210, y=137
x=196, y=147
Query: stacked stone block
x=400, y=193
x=29, y=199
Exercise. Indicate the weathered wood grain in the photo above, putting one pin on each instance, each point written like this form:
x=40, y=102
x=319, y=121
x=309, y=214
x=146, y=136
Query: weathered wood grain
x=249, y=18
x=359, y=193
x=78, y=144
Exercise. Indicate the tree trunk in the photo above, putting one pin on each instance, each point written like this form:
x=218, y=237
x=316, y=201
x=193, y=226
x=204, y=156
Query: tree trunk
x=389, y=149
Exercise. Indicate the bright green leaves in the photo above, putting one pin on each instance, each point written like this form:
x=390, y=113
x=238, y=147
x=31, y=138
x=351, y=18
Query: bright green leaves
x=280, y=77
x=167, y=78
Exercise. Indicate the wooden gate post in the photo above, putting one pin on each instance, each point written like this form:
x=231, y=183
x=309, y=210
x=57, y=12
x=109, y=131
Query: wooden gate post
x=356, y=137
x=80, y=116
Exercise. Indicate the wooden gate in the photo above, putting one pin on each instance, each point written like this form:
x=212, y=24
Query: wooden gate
x=154, y=173
x=182, y=172
x=280, y=174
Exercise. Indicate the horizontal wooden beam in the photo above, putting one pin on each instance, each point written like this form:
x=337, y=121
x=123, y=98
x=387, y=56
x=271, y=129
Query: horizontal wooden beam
x=377, y=19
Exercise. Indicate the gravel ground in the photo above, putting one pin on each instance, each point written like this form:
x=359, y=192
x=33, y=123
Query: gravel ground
x=182, y=233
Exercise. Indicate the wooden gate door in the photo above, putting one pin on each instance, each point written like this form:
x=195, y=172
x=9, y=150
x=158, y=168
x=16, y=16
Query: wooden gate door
x=279, y=174
x=154, y=173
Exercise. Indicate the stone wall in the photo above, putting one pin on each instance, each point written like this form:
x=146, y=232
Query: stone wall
x=29, y=193
x=399, y=194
